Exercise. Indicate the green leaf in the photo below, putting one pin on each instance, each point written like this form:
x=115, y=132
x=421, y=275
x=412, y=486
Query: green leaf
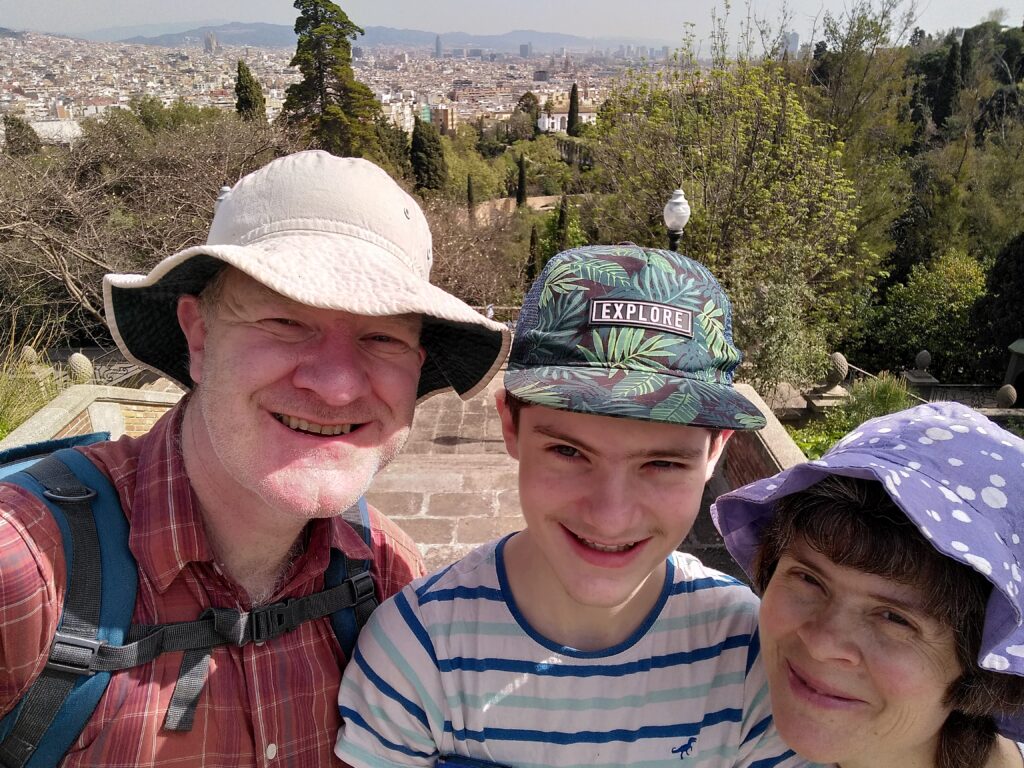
x=677, y=408
x=636, y=383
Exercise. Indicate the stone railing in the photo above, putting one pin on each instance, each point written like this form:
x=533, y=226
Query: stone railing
x=85, y=408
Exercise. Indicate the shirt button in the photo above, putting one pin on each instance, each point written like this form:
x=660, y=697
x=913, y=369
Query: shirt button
x=271, y=751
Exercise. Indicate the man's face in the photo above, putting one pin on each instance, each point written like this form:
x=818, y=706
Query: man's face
x=606, y=500
x=295, y=405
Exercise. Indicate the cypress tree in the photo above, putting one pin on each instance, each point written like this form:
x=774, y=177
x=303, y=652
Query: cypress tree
x=967, y=46
x=20, y=138
x=533, y=258
x=573, y=123
x=428, y=164
x=521, y=185
x=470, y=197
x=338, y=109
x=562, y=225
x=948, y=94
x=249, y=101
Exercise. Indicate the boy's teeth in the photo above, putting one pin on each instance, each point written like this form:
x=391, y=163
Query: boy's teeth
x=605, y=547
x=312, y=427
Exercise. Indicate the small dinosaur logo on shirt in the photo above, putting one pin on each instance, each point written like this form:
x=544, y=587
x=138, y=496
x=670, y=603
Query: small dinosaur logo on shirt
x=684, y=749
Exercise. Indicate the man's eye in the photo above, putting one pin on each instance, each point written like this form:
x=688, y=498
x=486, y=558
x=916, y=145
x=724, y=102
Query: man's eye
x=283, y=321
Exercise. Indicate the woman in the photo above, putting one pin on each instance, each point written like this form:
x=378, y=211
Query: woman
x=890, y=569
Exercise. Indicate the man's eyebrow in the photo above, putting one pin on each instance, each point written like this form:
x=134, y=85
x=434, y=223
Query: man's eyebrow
x=686, y=453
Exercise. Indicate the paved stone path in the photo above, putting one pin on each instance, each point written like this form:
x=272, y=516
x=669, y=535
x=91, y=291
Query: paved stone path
x=454, y=487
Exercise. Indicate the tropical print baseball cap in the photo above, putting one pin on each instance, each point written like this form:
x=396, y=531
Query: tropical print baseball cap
x=956, y=475
x=640, y=333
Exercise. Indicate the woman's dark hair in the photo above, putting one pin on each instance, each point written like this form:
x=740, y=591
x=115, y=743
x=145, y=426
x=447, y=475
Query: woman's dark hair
x=856, y=524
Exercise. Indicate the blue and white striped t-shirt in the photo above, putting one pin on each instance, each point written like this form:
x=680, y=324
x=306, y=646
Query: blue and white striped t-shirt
x=450, y=666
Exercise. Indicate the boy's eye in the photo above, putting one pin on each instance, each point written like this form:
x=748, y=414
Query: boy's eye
x=566, y=450
x=664, y=464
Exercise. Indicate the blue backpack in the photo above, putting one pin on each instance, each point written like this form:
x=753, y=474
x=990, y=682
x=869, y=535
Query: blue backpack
x=95, y=636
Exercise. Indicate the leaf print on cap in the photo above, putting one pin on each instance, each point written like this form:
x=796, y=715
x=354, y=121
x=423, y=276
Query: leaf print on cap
x=714, y=332
x=541, y=394
x=678, y=408
x=636, y=383
x=628, y=347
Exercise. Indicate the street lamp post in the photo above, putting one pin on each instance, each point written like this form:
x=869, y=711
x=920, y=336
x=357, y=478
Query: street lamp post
x=677, y=213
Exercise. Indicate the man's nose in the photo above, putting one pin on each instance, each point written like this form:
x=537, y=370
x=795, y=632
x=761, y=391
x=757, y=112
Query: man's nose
x=335, y=369
x=612, y=501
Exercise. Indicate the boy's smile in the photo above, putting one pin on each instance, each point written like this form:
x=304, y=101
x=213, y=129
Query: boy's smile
x=605, y=500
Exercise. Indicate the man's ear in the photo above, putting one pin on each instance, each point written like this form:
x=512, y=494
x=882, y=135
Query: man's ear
x=716, y=451
x=193, y=325
x=508, y=430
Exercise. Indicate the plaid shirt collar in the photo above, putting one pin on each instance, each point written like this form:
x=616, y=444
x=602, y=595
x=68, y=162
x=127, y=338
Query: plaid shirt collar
x=167, y=531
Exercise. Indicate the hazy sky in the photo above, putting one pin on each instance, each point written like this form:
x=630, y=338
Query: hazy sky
x=656, y=19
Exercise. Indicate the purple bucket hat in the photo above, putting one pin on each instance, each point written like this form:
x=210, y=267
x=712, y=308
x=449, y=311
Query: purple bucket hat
x=956, y=475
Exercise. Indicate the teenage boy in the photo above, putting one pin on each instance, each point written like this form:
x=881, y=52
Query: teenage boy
x=586, y=639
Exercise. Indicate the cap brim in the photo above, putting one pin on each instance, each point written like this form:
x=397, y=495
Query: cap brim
x=330, y=271
x=635, y=395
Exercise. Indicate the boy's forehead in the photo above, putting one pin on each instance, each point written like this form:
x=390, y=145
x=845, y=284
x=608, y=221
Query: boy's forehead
x=613, y=431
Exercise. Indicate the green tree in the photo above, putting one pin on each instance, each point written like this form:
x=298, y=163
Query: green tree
x=470, y=197
x=521, y=183
x=394, y=148
x=249, y=101
x=533, y=259
x=562, y=230
x=573, y=120
x=948, y=96
x=337, y=109
x=931, y=312
x=774, y=214
x=529, y=104
x=428, y=164
x=998, y=316
x=19, y=137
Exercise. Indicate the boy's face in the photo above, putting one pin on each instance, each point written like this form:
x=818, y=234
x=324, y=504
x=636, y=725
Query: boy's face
x=606, y=499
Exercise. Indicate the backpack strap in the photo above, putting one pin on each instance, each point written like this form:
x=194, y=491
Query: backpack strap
x=343, y=568
x=98, y=605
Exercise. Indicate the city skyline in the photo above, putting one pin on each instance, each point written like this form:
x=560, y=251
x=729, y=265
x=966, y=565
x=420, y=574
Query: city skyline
x=653, y=20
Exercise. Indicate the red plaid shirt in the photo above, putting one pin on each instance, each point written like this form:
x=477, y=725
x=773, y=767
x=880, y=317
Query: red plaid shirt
x=267, y=705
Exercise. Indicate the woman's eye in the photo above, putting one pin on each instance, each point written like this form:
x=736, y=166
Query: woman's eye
x=895, y=618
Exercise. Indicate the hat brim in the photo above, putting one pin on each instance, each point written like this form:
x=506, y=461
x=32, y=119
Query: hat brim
x=464, y=349
x=742, y=515
x=641, y=395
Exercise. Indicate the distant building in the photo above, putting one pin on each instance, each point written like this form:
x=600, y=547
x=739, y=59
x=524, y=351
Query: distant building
x=526, y=50
x=210, y=43
x=438, y=52
x=541, y=76
x=458, y=53
x=792, y=42
x=475, y=53
x=444, y=118
x=558, y=120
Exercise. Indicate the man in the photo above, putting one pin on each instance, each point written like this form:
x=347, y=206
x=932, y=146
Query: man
x=586, y=638
x=306, y=329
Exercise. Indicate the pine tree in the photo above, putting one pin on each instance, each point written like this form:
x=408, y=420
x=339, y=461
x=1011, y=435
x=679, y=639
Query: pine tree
x=20, y=138
x=337, y=108
x=573, y=123
x=428, y=164
x=948, y=94
x=249, y=101
x=521, y=185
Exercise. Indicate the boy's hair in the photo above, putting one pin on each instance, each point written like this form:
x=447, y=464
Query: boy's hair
x=856, y=524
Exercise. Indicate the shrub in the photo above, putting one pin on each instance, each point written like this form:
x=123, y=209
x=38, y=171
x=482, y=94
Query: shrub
x=869, y=398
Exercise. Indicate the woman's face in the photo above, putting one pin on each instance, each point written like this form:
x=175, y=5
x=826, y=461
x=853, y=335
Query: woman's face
x=858, y=671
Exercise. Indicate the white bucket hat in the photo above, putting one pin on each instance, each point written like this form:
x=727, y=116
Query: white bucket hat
x=326, y=231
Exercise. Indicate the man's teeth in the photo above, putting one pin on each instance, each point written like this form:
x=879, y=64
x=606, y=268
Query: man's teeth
x=605, y=547
x=311, y=426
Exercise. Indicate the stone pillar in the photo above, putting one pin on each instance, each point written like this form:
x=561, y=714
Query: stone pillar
x=919, y=379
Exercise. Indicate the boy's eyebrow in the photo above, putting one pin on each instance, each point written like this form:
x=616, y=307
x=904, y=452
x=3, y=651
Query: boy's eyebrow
x=687, y=453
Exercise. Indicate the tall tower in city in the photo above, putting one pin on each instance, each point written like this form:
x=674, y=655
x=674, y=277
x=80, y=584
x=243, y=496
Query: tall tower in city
x=437, y=47
x=525, y=50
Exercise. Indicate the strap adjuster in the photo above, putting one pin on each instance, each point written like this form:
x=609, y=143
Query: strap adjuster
x=276, y=619
x=363, y=587
x=73, y=653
